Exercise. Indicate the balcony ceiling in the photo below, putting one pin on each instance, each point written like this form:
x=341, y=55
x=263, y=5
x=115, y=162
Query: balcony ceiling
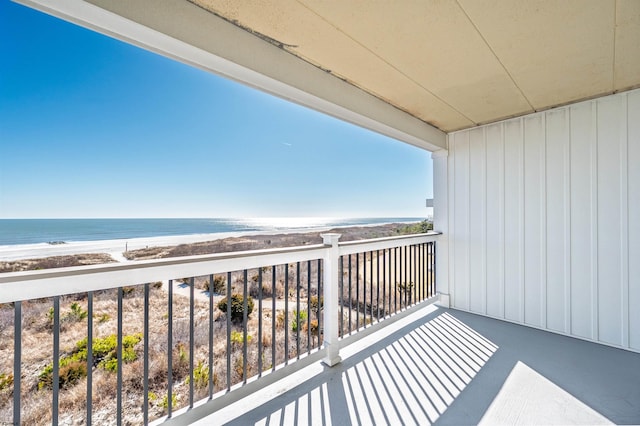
x=459, y=63
x=421, y=67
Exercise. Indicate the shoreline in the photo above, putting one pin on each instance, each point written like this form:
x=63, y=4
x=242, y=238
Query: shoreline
x=115, y=248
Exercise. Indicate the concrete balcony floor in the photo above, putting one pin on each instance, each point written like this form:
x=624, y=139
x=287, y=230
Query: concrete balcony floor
x=449, y=367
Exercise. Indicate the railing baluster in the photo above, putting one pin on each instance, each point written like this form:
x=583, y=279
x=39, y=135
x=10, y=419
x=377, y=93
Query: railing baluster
x=429, y=270
x=309, y=306
x=384, y=283
x=422, y=276
x=406, y=279
x=298, y=325
x=434, y=248
x=350, y=294
x=341, y=295
x=119, y=356
x=89, y=357
x=260, y=322
x=273, y=318
x=245, y=323
x=396, y=279
x=420, y=250
x=17, y=360
x=371, y=286
x=320, y=292
x=192, y=297
x=228, y=315
x=211, y=336
x=364, y=290
x=170, y=350
x=357, y=291
x=145, y=379
x=378, y=285
x=286, y=314
x=56, y=359
x=412, y=262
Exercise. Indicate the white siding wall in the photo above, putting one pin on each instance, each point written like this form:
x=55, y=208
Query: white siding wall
x=544, y=220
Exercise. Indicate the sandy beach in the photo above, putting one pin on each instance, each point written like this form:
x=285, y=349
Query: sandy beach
x=113, y=247
x=116, y=248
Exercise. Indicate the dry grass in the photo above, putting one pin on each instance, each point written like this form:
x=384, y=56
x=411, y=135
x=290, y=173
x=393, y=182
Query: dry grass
x=37, y=344
x=38, y=341
x=55, y=262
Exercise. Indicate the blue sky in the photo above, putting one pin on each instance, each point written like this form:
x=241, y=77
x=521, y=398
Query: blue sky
x=93, y=127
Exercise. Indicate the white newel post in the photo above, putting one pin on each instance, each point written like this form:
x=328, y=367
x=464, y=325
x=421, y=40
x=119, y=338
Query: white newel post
x=330, y=282
x=440, y=223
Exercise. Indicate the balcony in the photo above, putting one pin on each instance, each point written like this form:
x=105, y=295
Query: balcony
x=153, y=343
x=450, y=367
x=389, y=354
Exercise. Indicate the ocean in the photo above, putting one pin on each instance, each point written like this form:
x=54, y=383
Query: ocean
x=33, y=231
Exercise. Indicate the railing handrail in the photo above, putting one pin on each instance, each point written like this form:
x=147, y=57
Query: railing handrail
x=27, y=285
x=357, y=246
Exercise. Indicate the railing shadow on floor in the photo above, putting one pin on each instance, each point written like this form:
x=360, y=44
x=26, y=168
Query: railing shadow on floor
x=411, y=376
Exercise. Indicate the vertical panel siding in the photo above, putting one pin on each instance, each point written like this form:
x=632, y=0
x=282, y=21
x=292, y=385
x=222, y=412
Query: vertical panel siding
x=533, y=189
x=546, y=213
x=609, y=274
x=557, y=180
x=581, y=220
x=513, y=218
x=633, y=178
x=477, y=223
x=495, y=220
x=461, y=220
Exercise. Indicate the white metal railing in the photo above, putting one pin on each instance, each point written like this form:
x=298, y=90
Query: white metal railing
x=314, y=281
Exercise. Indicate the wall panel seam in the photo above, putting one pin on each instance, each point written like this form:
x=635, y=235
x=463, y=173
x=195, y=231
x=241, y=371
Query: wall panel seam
x=624, y=220
x=595, y=320
x=502, y=220
x=522, y=213
x=543, y=223
x=567, y=224
x=483, y=263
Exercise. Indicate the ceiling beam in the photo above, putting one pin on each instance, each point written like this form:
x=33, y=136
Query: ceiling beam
x=183, y=31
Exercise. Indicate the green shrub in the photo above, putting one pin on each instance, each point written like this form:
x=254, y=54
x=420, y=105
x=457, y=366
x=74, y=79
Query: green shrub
x=70, y=370
x=219, y=284
x=102, y=317
x=416, y=228
x=298, y=317
x=128, y=291
x=165, y=401
x=74, y=366
x=314, y=327
x=6, y=381
x=200, y=375
x=315, y=302
x=237, y=307
x=77, y=314
x=237, y=338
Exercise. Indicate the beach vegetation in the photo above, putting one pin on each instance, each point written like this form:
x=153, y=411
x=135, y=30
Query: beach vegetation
x=298, y=318
x=219, y=284
x=416, y=228
x=73, y=362
x=6, y=381
x=236, y=310
x=237, y=338
x=316, y=303
x=200, y=375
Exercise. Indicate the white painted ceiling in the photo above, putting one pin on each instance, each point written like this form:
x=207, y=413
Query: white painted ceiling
x=457, y=63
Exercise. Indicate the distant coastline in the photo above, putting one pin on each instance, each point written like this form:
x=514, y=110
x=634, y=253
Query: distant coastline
x=116, y=247
x=63, y=231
